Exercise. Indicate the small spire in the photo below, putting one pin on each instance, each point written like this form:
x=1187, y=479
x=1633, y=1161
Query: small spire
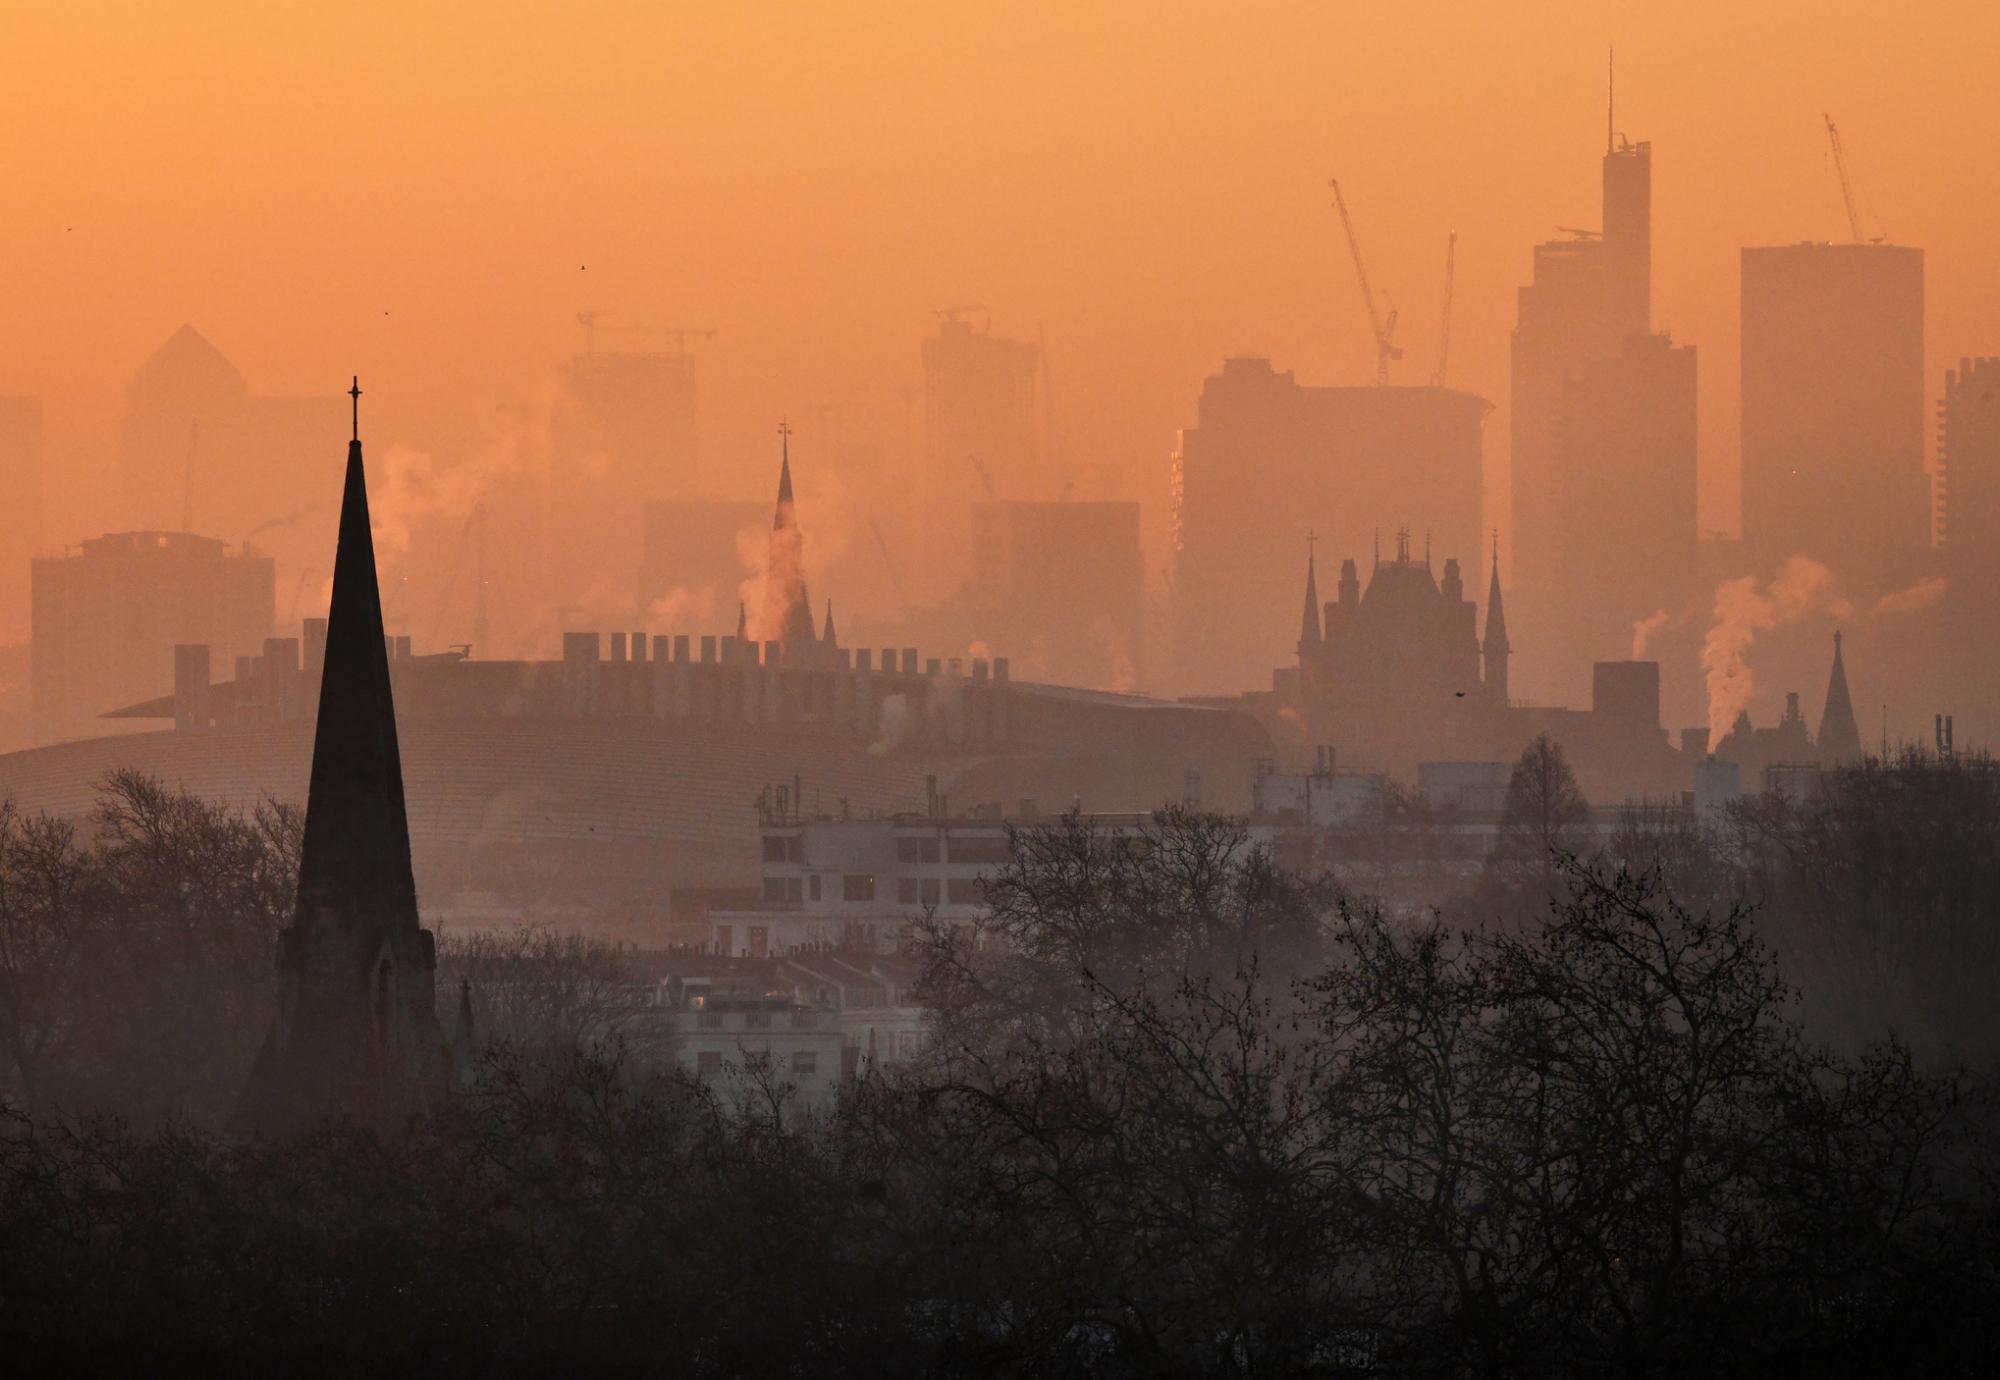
x=826, y=635
x=1309, y=625
x=355, y=394
x=742, y=620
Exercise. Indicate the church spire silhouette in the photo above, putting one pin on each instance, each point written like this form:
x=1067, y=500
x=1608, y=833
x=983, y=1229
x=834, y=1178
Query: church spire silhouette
x=356, y=1032
x=787, y=615
x=1495, y=650
x=1309, y=625
x=1839, y=736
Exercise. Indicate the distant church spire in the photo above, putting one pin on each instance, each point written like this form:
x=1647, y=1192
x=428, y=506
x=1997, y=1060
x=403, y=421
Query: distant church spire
x=1839, y=737
x=356, y=1031
x=787, y=614
x=826, y=637
x=1495, y=650
x=1309, y=629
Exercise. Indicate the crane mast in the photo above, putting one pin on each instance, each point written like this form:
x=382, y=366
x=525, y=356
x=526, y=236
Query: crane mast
x=1386, y=348
x=1444, y=336
x=1846, y=187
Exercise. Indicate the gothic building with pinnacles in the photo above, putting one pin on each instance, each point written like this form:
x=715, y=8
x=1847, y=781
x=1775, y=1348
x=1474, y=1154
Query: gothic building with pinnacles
x=1398, y=670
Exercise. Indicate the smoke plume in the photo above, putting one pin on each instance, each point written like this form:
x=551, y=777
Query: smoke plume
x=1744, y=609
x=1643, y=630
x=1918, y=596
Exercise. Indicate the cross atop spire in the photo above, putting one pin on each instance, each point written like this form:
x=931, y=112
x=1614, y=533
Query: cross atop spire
x=355, y=394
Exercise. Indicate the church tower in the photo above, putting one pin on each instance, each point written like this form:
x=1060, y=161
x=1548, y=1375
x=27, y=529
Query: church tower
x=1496, y=649
x=1839, y=737
x=356, y=1033
x=787, y=616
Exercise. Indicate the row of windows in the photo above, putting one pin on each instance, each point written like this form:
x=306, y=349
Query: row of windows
x=927, y=848
x=860, y=886
x=805, y=1062
x=924, y=891
x=971, y=848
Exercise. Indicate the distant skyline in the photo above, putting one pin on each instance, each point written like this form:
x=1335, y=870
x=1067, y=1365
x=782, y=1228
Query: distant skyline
x=432, y=196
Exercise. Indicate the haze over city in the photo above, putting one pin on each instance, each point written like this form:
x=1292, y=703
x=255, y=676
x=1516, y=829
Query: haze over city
x=1080, y=690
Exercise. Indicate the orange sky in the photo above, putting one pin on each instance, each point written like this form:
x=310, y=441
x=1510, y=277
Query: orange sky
x=429, y=193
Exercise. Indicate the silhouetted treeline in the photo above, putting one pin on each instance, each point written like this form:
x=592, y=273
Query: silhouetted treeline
x=1195, y=1116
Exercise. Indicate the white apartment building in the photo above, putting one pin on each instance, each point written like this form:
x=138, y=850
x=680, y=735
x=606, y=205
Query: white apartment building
x=861, y=884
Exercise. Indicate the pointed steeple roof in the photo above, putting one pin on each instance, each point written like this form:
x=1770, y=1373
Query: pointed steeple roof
x=826, y=634
x=742, y=621
x=356, y=1031
x=354, y=869
x=787, y=612
x=1839, y=736
x=1496, y=613
x=1309, y=624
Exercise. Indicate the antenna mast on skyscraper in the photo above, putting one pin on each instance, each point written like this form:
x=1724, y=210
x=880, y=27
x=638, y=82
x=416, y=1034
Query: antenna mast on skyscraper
x=1610, y=99
x=1444, y=336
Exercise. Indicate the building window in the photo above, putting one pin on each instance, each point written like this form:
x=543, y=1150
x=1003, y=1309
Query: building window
x=923, y=848
x=857, y=886
x=906, y=850
x=783, y=848
x=725, y=939
x=929, y=892
x=805, y=1062
x=906, y=891
x=782, y=889
x=814, y=889
x=980, y=848
x=708, y=1063
x=760, y=940
x=965, y=891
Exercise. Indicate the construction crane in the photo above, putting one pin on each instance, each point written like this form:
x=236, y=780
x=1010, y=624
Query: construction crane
x=1444, y=337
x=1846, y=186
x=895, y=575
x=587, y=319
x=681, y=334
x=1386, y=348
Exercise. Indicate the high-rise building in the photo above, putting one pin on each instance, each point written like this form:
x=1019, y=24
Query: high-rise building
x=1968, y=468
x=622, y=436
x=21, y=512
x=1622, y=493
x=982, y=440
x=1270, y=459
x=1590, y=295
x=1833, y=410
x=107, y=620
x=198, y=451
x=1061, y=587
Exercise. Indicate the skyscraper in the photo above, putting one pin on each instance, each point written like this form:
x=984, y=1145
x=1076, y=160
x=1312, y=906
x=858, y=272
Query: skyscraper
x=1589, y=295
x=21, y=512
x=199, y=452
x=1270, y=458
x=1623, y=496
x=1833, y=410
x=1968, y=469
x=981, y=439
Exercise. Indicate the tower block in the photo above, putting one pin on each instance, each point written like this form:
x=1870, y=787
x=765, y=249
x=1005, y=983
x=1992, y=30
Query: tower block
x=356, y=1034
